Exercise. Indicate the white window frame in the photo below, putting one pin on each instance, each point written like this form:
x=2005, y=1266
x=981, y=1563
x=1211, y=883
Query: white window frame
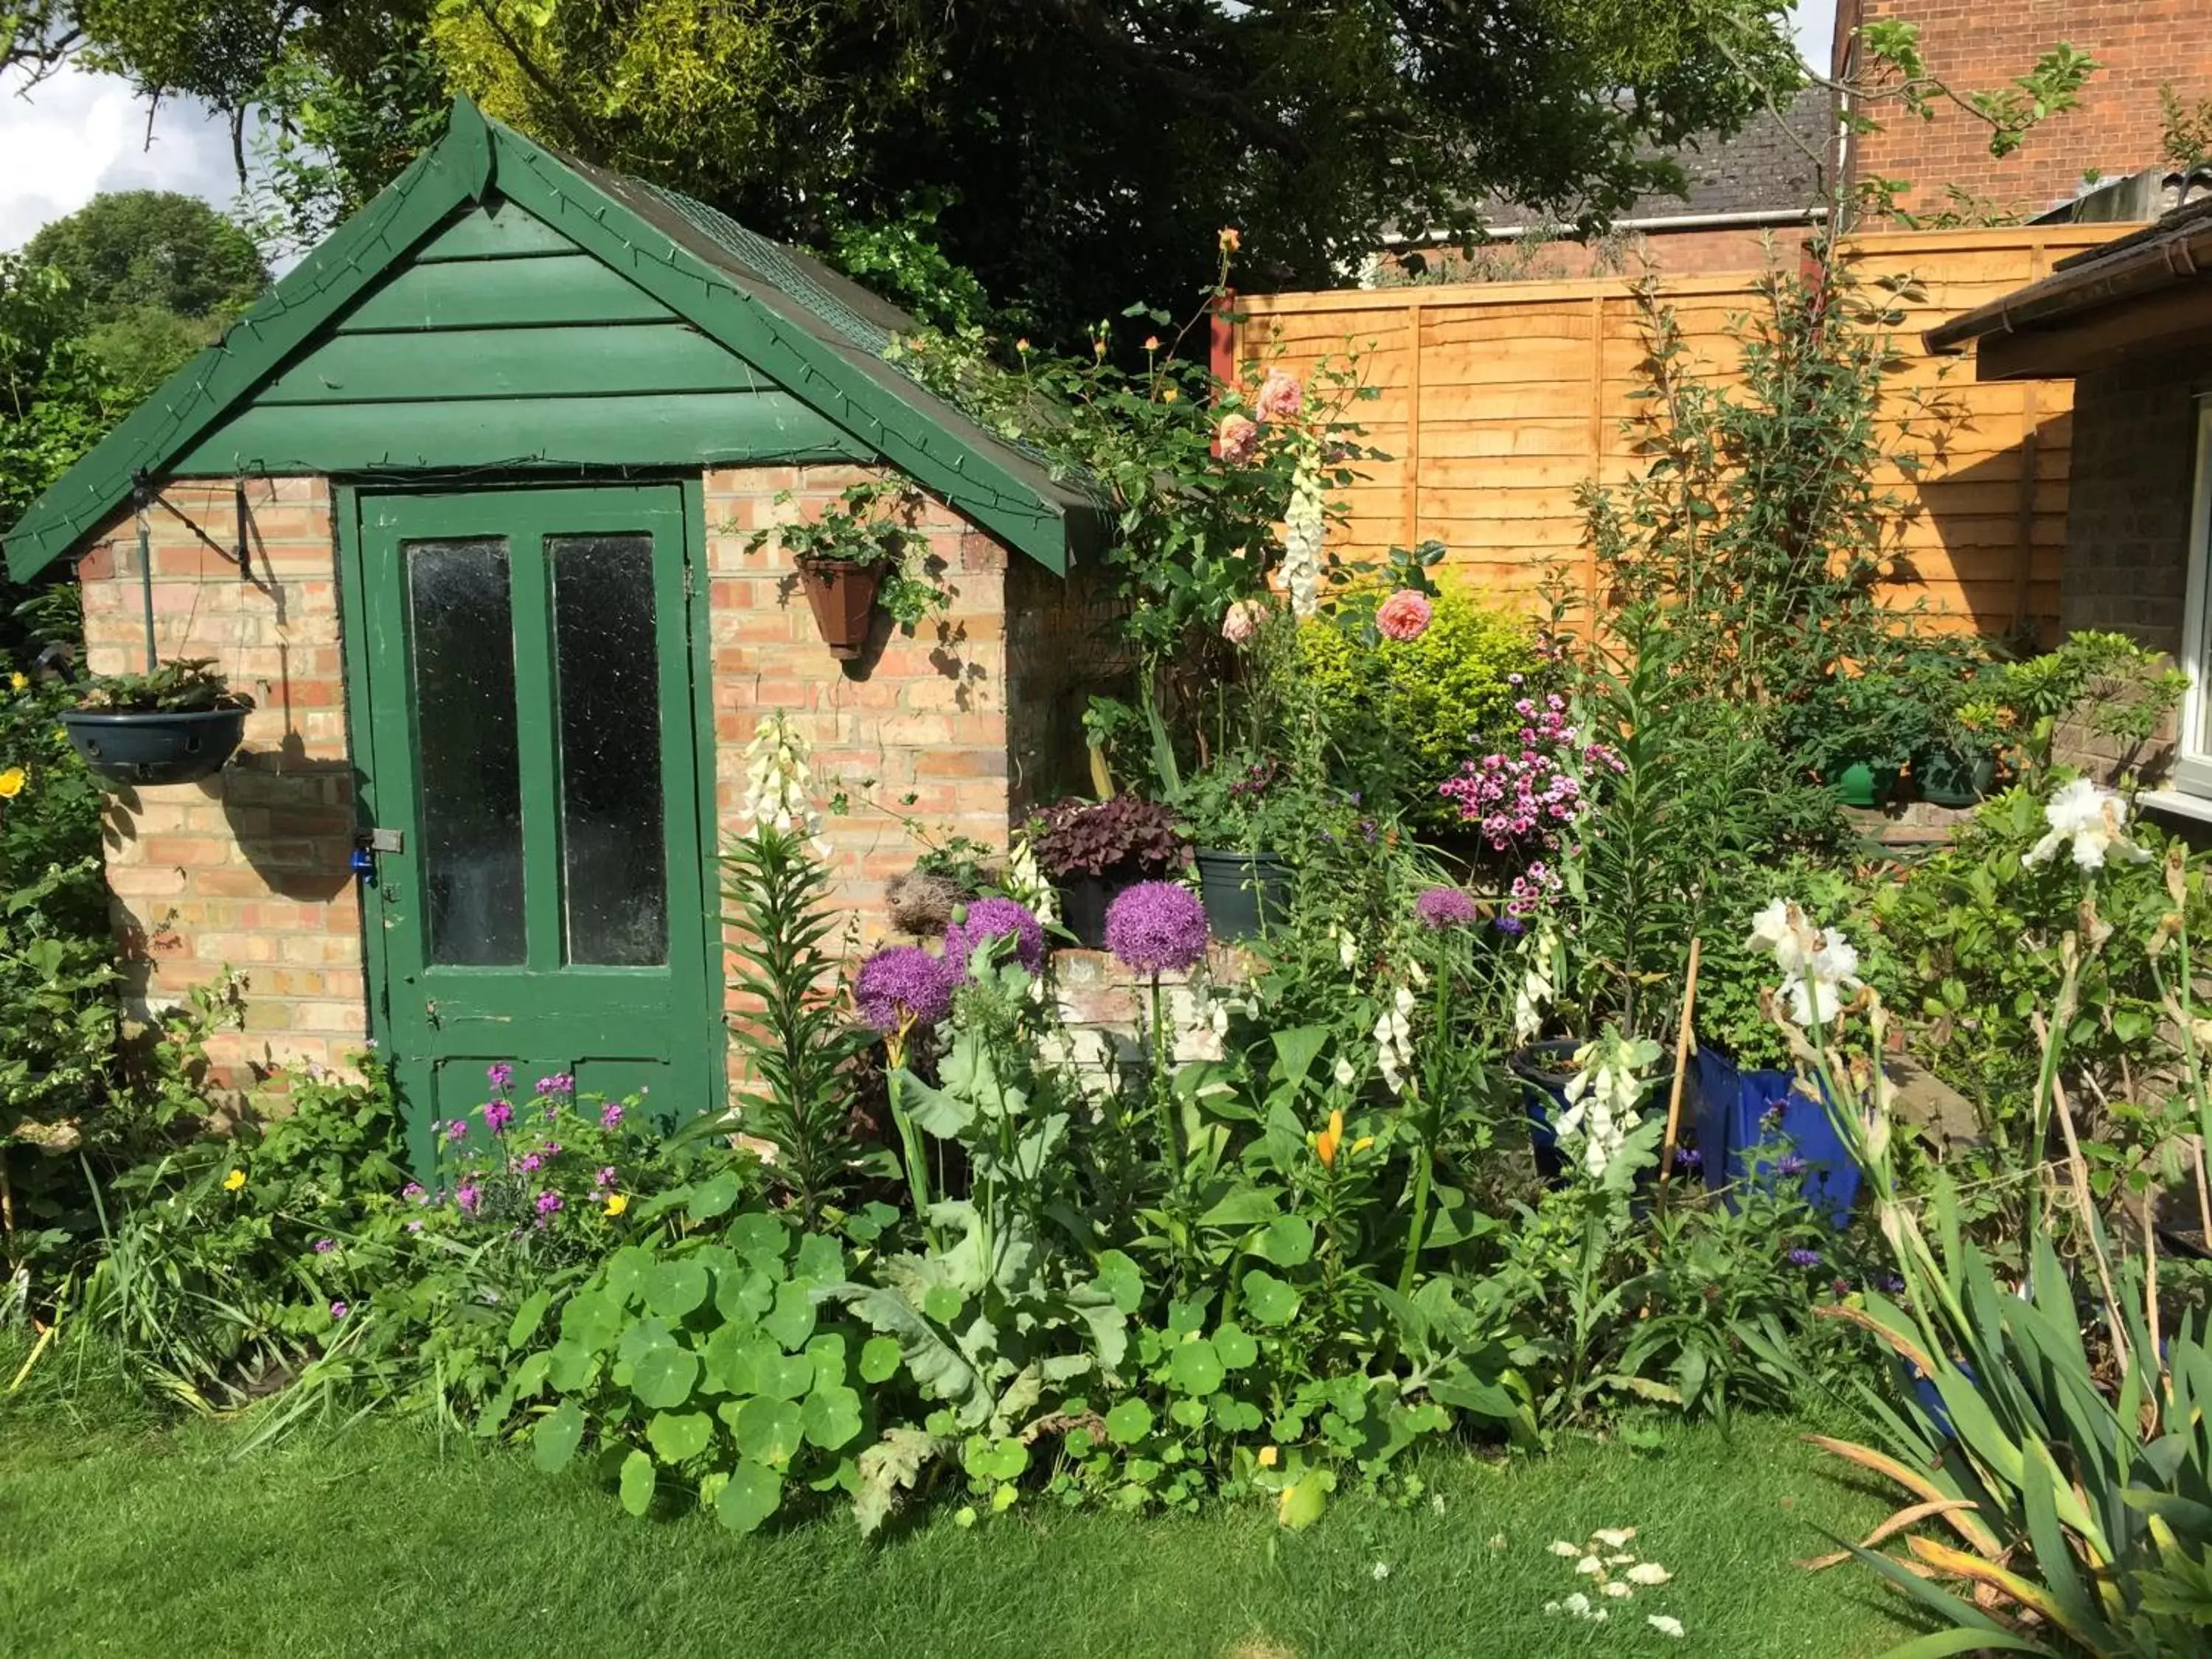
x=2192, y=765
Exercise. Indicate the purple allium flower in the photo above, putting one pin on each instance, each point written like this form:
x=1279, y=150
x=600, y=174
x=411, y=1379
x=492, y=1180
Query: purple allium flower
x=1805, y=1258
x=497, y=1115
x=611, y=1115
x=469, y=1196
x=413, y=1193
x=904, y=983
x=325, y=1246
x=1157, y=926
x=988, y=921
x=560, y=1083
x=1445, y=907
x=548, y=1202
x=1510, y=925
x=500, y=1076
x=339, y=1310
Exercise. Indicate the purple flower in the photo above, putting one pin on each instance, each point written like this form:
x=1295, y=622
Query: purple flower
x=1791, y=1165
x=457, y=1130
x=414, y=1226
x=1891, y=1284
x=325, y=1246
x=1157, y=926
x=1510, y=925
x=1689, y=1157
x=413, y=1193
x=551, y=1149
x=991, y=920
x=1805, y=1258
x=560, y=1083
x=500, y=1076
x=606, y=1177
x=530, y=1163
x=339, y=1310
x=469, y=1196
x=610, y=1116
x=1445, y=907
x=548, y=1202
x=904, y=982
x=497, y=1115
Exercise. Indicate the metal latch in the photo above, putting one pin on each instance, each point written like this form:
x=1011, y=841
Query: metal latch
x=383, y=841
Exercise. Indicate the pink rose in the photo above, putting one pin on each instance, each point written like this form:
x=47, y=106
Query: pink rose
x=1280, y=394
x=1243, y=621
x=1404, y=616
x=1237, y=439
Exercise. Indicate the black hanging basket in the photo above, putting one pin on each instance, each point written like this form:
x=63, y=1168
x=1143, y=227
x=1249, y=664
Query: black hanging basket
x=160, y=747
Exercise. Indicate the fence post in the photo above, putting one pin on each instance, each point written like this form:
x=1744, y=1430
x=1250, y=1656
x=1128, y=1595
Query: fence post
x=1410, y=505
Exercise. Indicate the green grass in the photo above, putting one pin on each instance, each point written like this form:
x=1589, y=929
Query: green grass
x=380, y=1542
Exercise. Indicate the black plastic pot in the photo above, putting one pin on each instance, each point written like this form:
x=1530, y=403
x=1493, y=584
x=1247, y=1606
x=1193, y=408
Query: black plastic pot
x=156, y=748
x=1242, y=892
x=1083, y=902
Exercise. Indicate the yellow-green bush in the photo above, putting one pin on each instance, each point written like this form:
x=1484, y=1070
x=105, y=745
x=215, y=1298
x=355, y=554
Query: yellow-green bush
x=1405, y=715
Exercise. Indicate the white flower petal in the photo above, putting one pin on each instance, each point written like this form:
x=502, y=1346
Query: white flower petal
x=1590, y=1564
x=1617, y=1589
x=1665, y=1624
x=1648, y=1573
x=1560, y=1547
x=1613, y=1537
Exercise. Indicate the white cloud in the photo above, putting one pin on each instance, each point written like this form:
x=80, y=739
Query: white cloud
x=76, y=134
x=1814, y=21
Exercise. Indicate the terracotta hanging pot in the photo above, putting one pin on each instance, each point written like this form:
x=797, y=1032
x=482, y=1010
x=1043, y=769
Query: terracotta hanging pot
x=843, y=596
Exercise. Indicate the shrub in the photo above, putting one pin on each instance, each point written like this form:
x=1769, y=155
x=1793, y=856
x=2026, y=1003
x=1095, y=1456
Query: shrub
x=1405, y=713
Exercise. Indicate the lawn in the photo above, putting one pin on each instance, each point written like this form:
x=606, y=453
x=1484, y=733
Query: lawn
x=380, y=1541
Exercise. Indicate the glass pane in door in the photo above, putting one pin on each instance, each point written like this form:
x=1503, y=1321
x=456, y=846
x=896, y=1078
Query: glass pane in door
x=614, y=863
x=461, y=612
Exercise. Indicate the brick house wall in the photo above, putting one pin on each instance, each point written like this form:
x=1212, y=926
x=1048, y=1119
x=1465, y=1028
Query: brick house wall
x=1978, y=46
x=246, y=870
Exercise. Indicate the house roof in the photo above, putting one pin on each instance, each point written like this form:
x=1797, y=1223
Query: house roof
x=815, y=333
x=2154, y=283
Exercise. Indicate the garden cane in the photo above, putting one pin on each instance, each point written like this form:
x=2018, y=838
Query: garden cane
x=1682, y=1064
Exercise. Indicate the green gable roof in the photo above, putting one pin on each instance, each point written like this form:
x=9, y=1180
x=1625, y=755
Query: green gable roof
x=498, y=304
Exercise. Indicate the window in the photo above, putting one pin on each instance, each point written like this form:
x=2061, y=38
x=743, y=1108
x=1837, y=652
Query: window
x=2192, y=766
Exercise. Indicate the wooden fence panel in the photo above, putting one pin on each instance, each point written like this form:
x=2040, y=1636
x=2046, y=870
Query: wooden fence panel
x=1496, y=401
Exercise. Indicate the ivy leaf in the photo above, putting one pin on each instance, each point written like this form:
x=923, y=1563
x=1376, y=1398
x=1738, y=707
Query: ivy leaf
x=748, y=1498
x=638, y=1480
x=559, y=1433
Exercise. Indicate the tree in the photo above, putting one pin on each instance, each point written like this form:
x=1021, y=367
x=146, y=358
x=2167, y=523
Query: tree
x=128, y=251
x=1079, y=154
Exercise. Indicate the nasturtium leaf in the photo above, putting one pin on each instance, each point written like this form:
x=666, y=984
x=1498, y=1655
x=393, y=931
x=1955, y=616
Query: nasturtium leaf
x=768, y=1430
x=1268, y=1300
x=827, y=1350
x=527, y=1317
x=1237, y=1416
x=820, y=1261
x=756, y=1292
x=1236, y=1347
x=781, y=1375
x=1301, y=1503
x=559, y=1433
x=627, y=1270
x=792, y=1320
x=1195, y=1368
x=1189, y=1413
x=879, y=1359
x=1129, y=1422
x=993, y=1459
x=662, y=1378
x=530, y=1376
x=1184, y=1317
x=831, y=1417
x=676, y=1435
x=568, y=1365
x=759, y=1237
x=674, y=1288
x=941, y=1303
x=641, y=1338
x=712, y=1198
x=1287, y=1242
x=749, y=1497
x=1121, y=1279
x=637, y=1483
x=592, y=1321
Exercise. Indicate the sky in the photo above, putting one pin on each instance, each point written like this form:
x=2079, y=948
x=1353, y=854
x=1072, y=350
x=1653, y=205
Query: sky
x=75, y=135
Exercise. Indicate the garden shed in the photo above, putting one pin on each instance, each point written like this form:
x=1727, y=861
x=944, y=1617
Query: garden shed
x=468, y=503
x=2130, y=323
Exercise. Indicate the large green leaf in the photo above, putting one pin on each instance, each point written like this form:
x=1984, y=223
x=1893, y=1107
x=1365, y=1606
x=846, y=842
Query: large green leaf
x=1297, y=1048
x=761, y=1238
x=1288, y=1241
x=1268, y=1300
x=638, y=1480
x=830, y=1418
x=676, y=1435
x=1121, y=1280
x=628, y=1269
x=1129, y=1422
x=558, y=1433
x=879, y=1359
x=768, y=1430
x=715, y=1197
x=527, y=1317
x=569, y=1366
x=1236, y=1347
x=674, y=1288
x=749, y=1495
x=662, y=1377
x=1195, y=1368
x=791, y=1321
x=592, y=1320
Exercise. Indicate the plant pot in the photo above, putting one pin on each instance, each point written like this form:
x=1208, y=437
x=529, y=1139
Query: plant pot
x=1083, y=902
x=1244, y=892
x=842, y=595
x=1545, y=1070
x=1740, y=1102
x=163, y=747
x=1948, y=780
x=1862, y=784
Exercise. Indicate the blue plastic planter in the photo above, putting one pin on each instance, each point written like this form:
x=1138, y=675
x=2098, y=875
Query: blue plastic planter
x=1541, y=1068
x=1831, y=1177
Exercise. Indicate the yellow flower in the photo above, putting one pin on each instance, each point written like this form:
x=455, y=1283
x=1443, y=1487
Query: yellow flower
x=1269, y=1456
x=17, y=682
x=1231, y=241
x=1168, y=396
x=12, y=781
x=617, y=1203
x=233, y=1180
x=1326, y=1144
x=1151, y=343
x=1021, y=345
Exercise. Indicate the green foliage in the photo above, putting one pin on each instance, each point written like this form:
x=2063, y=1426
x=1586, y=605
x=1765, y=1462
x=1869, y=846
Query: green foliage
x=129, y=252
x=870, y=524
x=57, y=396
x=796, y=1048
x=1403, y=714
x=2186, y=133
x=188, y=685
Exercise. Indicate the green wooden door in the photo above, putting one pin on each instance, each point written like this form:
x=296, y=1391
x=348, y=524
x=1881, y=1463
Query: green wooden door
x=532, y=740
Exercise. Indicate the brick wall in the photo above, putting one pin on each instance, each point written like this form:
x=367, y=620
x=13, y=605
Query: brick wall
x=1980, y=45
x=247, y=869
x=1672, y=252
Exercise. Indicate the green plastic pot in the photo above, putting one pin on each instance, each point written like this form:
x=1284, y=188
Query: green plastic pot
x=1860, y=784
x=1949, y=780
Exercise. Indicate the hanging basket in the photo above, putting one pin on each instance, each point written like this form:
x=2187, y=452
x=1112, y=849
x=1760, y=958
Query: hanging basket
x=842, y=595
x=157, y=747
